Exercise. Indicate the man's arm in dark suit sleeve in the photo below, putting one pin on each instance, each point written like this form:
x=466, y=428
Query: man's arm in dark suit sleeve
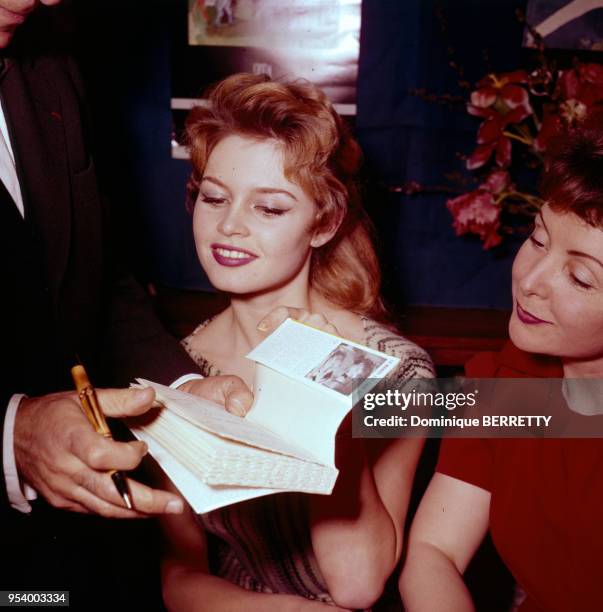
x=137, y=343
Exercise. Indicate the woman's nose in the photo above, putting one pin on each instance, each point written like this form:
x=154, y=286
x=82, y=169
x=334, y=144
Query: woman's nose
x=233, y=221
x=536, y=279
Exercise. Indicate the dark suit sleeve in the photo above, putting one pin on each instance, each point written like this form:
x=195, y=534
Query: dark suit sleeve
x=138, y=345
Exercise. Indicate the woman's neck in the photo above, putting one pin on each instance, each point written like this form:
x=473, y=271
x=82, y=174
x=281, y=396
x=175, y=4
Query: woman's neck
x=583, y=368
x=245, y=313
x=583, y=385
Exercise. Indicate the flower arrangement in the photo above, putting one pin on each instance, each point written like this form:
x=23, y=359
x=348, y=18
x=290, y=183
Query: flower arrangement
x=521, y=114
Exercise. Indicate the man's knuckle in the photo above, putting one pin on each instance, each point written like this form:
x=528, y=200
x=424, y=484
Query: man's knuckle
x=79, y=478
x=70, y=436
x=145, y=500
x=132, y=460
x=106, y=509
x=56, y=500
x=95, y=455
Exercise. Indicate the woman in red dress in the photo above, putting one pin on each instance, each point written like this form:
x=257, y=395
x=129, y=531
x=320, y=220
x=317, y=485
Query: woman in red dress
x=541, y=499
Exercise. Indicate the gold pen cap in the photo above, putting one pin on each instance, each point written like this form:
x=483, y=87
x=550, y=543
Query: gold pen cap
x=86, y=392
x=80, y=378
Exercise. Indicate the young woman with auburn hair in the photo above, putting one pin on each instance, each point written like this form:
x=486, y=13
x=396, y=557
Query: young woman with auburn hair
x=320, y=156
x=280, y=228
x=540, y=499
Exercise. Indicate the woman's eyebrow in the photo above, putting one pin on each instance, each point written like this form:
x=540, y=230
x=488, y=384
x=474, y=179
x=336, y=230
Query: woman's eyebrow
x=215, y=181
x=218, y=182
x=275, y=190
x=581, y=254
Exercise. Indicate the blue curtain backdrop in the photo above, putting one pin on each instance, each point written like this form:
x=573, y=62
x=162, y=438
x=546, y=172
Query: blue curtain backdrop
x=403, y=48
x=125, y=53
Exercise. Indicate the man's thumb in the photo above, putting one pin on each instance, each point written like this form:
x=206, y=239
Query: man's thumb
x=125, y=402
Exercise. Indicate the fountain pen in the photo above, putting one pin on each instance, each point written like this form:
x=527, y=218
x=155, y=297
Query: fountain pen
x=93, y=412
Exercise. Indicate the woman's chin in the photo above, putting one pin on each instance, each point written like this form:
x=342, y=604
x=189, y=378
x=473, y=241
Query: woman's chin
x=233, y=288
x=239, y=289
x=231, y=281
x=526, y=339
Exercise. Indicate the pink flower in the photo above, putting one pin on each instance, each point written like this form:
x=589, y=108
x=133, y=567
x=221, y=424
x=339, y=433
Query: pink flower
x=497, y=182
x=504, y=92
x=477, y=213
x=500, y=100
x=577, y=91
x=551, y=128
x=583, y=83
x=491, y=138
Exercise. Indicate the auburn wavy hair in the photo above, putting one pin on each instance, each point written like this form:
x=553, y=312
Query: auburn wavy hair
x=320, y=156
x=573, y=176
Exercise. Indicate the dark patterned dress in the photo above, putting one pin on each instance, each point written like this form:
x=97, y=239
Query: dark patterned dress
x=264, y=544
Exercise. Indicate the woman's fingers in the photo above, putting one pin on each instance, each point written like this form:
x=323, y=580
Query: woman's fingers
x=277, y=316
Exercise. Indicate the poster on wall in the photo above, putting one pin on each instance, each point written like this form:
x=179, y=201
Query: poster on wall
x=567, y=24
x=317, y=40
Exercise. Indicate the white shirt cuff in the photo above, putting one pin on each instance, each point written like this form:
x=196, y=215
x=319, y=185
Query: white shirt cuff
x=18, y=498
x=185, y=379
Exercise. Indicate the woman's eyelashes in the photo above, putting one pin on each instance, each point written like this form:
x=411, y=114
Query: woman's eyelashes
x=581, y=280
x=265, y=210
x=538, y=237
x=580, y=283
x=269, y=211
x=212, y=200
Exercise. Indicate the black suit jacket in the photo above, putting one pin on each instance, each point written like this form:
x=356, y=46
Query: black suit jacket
x=62, y=289
x=63, y=293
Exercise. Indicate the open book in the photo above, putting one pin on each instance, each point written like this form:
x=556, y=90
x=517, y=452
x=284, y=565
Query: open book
x=304, y=384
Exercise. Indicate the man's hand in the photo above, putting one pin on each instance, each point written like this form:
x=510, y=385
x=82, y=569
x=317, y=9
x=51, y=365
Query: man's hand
x=60, y=455
x=230, y=391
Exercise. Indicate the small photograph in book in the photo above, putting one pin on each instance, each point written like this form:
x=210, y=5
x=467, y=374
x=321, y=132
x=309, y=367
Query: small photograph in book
x=344, y=366
x=321, y=359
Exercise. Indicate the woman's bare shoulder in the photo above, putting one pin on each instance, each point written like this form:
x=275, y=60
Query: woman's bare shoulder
x=349, y=325
x=205, y=339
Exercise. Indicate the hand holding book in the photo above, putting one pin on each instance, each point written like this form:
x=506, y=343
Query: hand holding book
x=287, y=440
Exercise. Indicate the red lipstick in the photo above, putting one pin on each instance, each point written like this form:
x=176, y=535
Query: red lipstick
x=230, y=256
x=527, y=317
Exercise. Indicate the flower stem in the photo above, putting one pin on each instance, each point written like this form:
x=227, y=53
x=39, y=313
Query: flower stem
x=528, y=204
x=522, y=139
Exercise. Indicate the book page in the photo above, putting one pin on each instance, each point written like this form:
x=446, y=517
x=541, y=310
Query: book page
x=219, y=461
x=294, y=410
x=304, y=382
x=215, y=419
x=202, y=497
x=321, y=360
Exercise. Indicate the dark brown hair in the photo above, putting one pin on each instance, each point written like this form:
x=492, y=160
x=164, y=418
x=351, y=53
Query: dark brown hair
x=573, y=176
x=320, y=156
